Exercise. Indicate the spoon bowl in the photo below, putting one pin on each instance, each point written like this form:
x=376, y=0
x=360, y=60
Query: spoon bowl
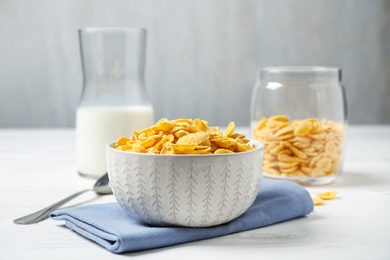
x=102, y=185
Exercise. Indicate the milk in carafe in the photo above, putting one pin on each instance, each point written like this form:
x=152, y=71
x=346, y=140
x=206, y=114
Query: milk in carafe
x=114, y=101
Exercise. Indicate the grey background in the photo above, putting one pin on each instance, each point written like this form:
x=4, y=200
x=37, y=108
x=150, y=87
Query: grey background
x=202, y=56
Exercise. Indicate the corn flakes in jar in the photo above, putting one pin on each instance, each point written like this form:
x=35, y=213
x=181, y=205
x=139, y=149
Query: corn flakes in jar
x=300, y=115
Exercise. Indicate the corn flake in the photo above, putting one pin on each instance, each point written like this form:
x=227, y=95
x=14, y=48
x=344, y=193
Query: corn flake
x=317, y=201
x=327, y=195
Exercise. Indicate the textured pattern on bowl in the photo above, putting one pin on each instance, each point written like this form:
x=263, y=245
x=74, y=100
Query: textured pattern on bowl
x=186, y=190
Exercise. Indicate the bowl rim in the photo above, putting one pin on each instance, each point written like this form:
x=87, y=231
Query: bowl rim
x=258, y=146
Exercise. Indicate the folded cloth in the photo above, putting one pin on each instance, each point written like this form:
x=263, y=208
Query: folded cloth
x=113, y=228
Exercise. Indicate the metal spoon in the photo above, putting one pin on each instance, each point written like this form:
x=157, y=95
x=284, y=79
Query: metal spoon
x=101, y=187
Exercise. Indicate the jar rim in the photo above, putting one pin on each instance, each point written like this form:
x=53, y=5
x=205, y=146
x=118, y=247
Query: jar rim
x=300, y=73
x=299, y=69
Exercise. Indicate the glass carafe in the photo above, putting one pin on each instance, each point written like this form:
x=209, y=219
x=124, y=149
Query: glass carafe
x=114, y=101
x=300, y=115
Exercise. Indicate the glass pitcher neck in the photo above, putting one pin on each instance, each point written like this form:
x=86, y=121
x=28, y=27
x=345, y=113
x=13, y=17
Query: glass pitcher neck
x=113, y=62
x=112, y=54
x=299, y=73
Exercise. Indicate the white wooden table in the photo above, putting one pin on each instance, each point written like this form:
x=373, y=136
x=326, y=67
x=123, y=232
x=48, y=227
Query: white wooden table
x=37, y=168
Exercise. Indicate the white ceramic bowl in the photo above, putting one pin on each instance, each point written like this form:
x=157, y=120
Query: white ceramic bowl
x=185, y=190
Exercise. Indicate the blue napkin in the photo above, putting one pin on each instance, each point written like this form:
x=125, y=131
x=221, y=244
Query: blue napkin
x=113, y=228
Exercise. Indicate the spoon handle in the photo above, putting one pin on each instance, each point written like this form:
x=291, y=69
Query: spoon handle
x=44, y=213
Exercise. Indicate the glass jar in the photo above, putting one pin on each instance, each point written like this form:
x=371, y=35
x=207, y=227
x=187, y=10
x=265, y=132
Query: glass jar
x=300, y=114
x=114, y=101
